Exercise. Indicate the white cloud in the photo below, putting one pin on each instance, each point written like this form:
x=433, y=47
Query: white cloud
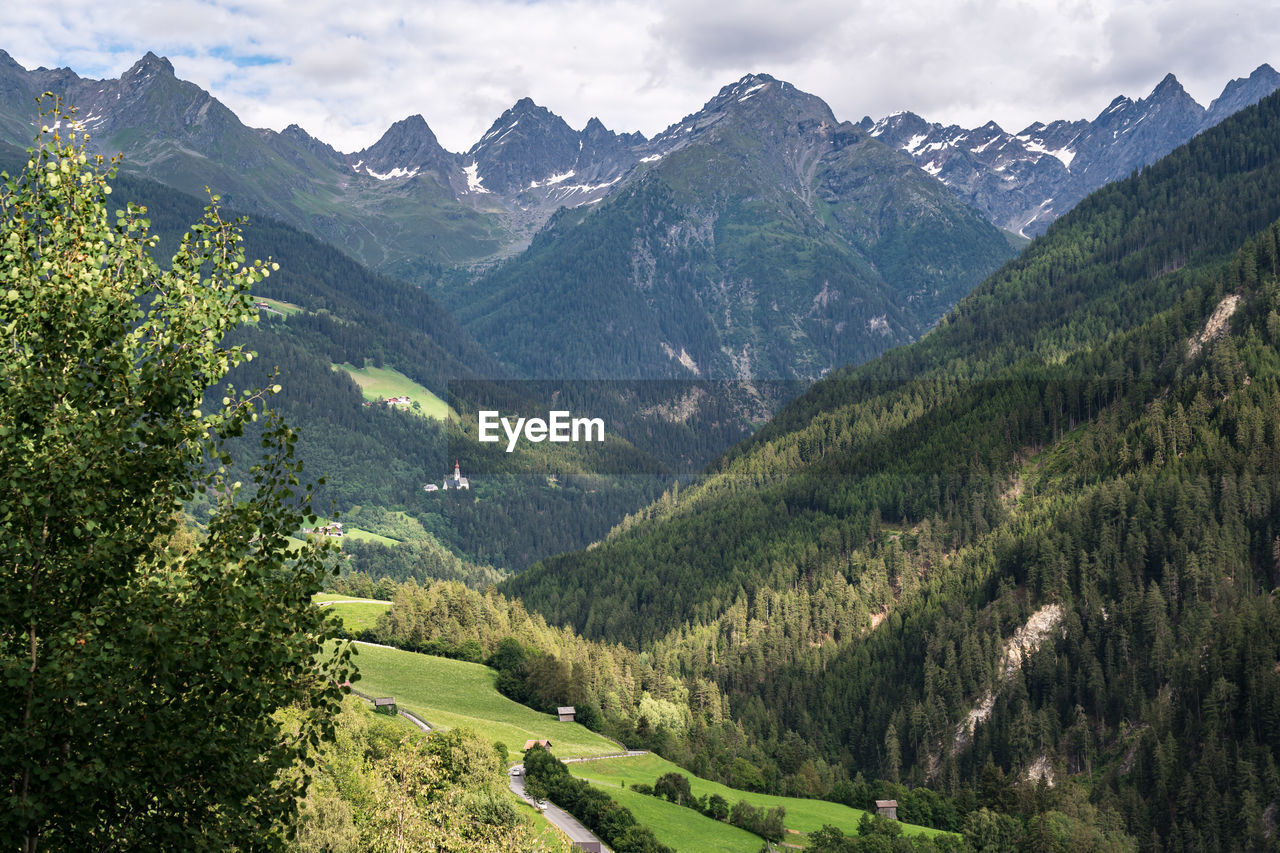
x=347, y=71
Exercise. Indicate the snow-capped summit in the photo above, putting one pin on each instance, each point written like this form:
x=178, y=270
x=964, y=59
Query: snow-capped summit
x=1023, y=181
x=532, y=153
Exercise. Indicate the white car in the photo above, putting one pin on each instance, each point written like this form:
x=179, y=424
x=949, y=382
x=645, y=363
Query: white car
x=515, y=771
x=541, y=804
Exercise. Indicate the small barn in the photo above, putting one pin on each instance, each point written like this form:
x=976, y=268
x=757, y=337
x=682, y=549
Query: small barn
x=566, y=713
x=887, y=808
x=385, y=705
x=530, y=744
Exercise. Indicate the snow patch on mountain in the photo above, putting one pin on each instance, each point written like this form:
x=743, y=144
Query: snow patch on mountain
x=1065, y=154
x=397, y=172
x=473, y=178
x=552, y=180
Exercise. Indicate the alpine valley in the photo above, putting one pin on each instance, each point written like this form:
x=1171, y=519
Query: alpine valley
x=943, y=463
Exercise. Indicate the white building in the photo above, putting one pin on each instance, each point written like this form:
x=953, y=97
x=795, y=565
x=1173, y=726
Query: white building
x=457, y=481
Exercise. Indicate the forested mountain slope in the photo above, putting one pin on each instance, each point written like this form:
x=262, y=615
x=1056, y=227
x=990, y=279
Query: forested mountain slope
x=764, y=240
x=1044, y=539
x=376, y=457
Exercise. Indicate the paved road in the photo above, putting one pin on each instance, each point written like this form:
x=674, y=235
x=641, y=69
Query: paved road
x=567, y=823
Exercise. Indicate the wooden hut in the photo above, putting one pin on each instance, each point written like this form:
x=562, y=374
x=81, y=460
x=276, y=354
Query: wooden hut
x=887, y=808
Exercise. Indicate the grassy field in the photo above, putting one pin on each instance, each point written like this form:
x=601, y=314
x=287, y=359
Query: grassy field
x=451, y=693
x=356, y=613
x=352, y=532
x=368, y=536
x=683, y=829
x=802, y=815
x=381, y=382
x=279, y=306
x=328, y=597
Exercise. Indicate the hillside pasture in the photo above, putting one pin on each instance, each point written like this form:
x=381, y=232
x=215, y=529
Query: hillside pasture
x=803, y=815
x=380, y=383
x=452, y=693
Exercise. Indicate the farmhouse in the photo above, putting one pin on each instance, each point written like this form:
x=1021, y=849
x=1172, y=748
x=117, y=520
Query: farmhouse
x=566, y=713
x=333, y=528
x=887, y=808
x=385, y=705
x=530, y=744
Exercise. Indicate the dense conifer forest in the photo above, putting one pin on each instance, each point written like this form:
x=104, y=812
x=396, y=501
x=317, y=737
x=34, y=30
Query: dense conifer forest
x=1042, y=543
x=1021, y=576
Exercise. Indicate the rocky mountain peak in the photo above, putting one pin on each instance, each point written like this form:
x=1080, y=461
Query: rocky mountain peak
x=1169, y=94
x=527, y=144
x=411, y=132
x=149, y=64
x=758, y=105
x=1023, y=182
x=1168, y=87
x=1239, y=94
x=406, y=148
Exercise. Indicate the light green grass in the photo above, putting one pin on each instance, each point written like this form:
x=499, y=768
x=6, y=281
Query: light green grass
x=803, y=815
x=286, y=308
x=350, y=531
x=382, y=382
x=360, y=615
x=683, y=829
x=326, y=597
x=452, y=693
x=367, y=536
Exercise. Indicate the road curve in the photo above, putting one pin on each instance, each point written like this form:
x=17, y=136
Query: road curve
x=561, y=819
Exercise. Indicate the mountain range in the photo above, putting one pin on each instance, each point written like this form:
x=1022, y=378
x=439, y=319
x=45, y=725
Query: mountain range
x=1030, y=561
x=758, y=238
x=1023, y=181
x=763, y=239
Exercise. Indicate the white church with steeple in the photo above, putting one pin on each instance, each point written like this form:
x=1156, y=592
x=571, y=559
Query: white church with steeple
x=457, y=481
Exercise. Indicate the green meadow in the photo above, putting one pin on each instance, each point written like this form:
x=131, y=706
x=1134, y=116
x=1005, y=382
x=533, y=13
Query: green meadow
x=383, y=382
x=356, y=614
x=683, y=829
x=451, y=693
x=803, y=815
x=279, y=306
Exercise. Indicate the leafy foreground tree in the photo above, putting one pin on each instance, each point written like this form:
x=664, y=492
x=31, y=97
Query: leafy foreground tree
x=383, y=787
x=142, y=665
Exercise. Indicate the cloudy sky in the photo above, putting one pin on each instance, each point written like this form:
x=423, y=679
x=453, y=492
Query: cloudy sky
x=345, y=71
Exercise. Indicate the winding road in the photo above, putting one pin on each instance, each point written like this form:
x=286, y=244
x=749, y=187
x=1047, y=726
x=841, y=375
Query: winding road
x=578, y=834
